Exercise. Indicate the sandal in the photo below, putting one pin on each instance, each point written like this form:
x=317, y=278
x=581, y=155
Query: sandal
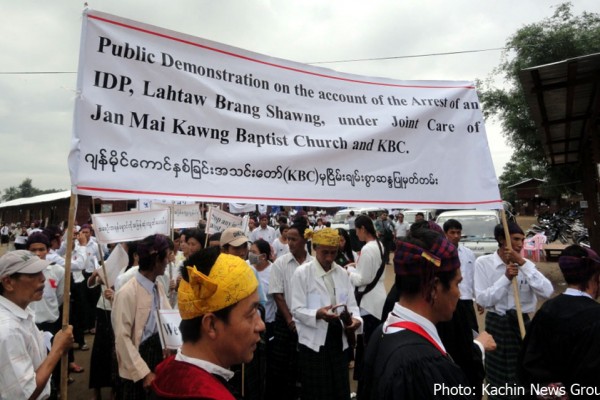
x=77, y=369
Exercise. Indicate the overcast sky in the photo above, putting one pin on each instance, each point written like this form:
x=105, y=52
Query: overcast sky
x=36, y=110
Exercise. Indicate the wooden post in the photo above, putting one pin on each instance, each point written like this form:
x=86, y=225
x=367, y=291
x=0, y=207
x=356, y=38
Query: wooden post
x=515, y=283
x=64, y=362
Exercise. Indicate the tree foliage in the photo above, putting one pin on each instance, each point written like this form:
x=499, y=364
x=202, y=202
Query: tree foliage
x=25, y=189
x=553, y=39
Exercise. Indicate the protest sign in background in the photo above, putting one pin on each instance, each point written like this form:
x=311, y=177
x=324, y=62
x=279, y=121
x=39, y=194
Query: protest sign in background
x=116, y=261
x=219, y=220
x=130, y=225
x=169, y=333
x=162, y=114
x=184, y=215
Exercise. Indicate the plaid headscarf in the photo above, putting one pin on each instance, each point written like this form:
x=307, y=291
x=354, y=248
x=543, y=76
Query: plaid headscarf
x=411, y=259
x=579, y=269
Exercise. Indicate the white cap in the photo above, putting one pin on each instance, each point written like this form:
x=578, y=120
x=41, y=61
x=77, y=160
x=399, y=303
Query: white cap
x=22, y=261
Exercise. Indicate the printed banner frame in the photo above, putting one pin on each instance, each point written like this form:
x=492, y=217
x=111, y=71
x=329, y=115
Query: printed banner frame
x=227, y=125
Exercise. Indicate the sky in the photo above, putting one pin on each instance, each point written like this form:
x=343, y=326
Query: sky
x=36, y=110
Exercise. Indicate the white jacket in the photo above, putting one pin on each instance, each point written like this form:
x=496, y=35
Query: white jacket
x=309, y=294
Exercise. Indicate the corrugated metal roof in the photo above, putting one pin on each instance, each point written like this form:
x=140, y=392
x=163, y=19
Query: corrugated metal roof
x=564, y=102
x=43, y=198
x=527, y=180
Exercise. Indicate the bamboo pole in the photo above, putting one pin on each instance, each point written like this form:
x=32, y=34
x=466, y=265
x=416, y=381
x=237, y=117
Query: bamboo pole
x=515, y=283
x=64, y=362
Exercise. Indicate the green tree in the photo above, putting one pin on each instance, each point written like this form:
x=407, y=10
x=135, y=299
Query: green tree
x=10, y=194
x=556, y=38
x=25, y=189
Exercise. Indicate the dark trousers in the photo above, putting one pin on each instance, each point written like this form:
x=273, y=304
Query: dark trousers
x=369, y=324
x=77, y=314
x=324, y=374
x=91, y=296
x=151, y=352
x=282, y=365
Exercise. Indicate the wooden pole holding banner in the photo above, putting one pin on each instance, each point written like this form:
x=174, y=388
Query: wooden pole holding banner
x=515, y=283
x=64, y=361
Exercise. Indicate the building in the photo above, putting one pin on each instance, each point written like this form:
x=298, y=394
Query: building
x=53, y=208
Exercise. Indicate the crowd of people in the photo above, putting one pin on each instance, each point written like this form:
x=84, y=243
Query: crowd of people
x=287, y=311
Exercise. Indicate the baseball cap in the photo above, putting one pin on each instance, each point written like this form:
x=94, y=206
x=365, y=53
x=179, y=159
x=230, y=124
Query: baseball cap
x=22, y=261
x=234, y=237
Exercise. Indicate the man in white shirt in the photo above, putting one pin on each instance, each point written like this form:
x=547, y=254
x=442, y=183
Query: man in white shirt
x=281, y=369
x=453, y=231
x=321, y=291
x=400, y=226
x=264, y=231
x=93, y=258
x=25, y=363
x=457, y=334
x=4, y=234
x=494, y=274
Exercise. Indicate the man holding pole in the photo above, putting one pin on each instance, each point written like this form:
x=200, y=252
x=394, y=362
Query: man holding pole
x=494, y=275
x=25, y=363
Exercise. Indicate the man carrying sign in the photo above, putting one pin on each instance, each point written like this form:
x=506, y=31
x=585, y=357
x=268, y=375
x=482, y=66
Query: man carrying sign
x=25, y=363
x=494, y=274
x=220, y=327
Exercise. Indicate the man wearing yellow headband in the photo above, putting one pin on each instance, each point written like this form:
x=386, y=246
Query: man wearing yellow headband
x=218, y=302
x=321, y=290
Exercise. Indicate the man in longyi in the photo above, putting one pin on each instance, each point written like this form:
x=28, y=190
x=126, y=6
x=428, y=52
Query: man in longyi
x=218, y=302
x=321, y=290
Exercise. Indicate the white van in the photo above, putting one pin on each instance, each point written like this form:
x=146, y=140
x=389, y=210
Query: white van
x=340, y=219
x=477, y=228
x=409, y=215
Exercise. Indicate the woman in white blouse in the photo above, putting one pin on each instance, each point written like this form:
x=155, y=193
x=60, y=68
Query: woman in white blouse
x=367, y=277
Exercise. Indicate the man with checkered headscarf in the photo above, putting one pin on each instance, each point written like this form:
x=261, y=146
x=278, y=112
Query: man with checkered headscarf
x=406, y=358
x=563, y=341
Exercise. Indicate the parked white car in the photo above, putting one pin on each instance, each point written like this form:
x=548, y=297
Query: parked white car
x=340, y=219
x=478, y=228
x=409, y=215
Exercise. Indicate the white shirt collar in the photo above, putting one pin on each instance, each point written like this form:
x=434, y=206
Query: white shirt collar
x=205, y=365
x=15, y=309
x=400, y=313
x=576, y=292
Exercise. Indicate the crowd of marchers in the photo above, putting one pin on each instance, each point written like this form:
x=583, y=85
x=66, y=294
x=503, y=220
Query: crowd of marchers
x=293, y=309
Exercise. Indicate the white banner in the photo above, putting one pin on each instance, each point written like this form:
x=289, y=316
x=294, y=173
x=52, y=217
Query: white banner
x=130, y=225
x=116, y=261
x=238, y=208
x=184, y=216
x=146, y=204
x=169, y=333
x=162, y=114
x=218, y=221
